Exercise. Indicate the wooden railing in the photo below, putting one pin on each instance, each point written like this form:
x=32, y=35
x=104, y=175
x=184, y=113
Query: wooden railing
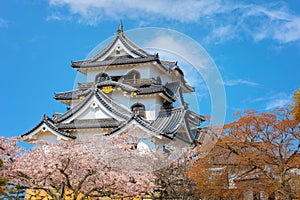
x=141, y=81
x=133, y=82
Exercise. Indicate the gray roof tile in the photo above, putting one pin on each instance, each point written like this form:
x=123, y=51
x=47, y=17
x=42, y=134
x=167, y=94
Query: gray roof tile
x=111, y=105
x=90, y=123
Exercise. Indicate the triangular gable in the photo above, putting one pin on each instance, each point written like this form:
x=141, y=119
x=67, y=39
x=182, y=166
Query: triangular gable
x=134, y=123
x=95, y=105
x=117, y=49
x=120, y=46
x=46, y=126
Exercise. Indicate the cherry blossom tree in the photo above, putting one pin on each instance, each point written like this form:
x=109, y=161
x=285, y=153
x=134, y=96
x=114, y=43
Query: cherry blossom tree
x=94, y=167
x=8, y=151
x=101, y=166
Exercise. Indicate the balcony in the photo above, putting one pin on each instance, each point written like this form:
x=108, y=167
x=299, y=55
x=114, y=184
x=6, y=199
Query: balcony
x=138, y=82
x=132, y=82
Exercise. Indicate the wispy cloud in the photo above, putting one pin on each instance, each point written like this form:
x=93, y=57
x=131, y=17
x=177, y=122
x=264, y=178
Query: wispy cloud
x=277, y=103
x=221, y=34
x=235, y=82
x=3, y=23
x=222, y=20
x=173, y=48
x=54, y=16
x=272, y=101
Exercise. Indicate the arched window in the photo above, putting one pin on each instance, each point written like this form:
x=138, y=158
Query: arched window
x=102, y=77
x=138, y=109
x=132, y=75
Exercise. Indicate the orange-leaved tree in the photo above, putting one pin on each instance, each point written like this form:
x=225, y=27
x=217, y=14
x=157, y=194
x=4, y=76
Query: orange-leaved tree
x=297, y=105
x=258, y=154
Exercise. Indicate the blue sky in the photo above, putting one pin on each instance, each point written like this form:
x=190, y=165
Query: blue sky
x=254, y=44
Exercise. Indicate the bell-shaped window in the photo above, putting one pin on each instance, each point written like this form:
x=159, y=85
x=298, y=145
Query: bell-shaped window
x=138, y=109
x=132, y=75
x=102, y=77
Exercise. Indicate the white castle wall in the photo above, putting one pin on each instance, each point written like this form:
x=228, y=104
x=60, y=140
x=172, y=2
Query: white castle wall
x=152, y=103
x=147, y=70
x=47, y=136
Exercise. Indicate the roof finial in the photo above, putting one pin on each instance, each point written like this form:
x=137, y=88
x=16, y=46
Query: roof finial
x=120, y=29
x=45, y=116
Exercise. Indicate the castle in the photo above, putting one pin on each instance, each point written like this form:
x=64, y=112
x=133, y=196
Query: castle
x=126, y=89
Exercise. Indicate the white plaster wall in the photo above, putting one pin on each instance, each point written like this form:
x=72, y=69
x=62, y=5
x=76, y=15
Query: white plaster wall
x=123, y=51
x=147, y=70
x=91, y=110
x=82, y=134
x=154, y=71
x=92, y=113
x=118, y=71
x=152, y=103
x=47, y=136
x=119, y=97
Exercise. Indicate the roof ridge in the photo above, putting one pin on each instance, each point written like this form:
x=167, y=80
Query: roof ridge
x=119, y=35
x=74, y=109
x=115, y=108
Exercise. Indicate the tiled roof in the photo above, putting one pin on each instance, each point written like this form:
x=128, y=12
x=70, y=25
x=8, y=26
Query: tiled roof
x=116, y=61
x=168, y=64
x=131, y=46
x=76, y=108
x=150, y=89
x=195, y=118
x=143, y=122
x=143, y=56
x=50, y=123
x=108, y=103
x=75, y=94
x=172, y=88
x=169, y=89
x=112, y=106
x=125, y=87
x=168, y=121
x=126, y=42
x=90, y=123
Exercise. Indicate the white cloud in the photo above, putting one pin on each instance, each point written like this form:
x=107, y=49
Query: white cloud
x=222, y=34
x=54, y=16
x=227, y=19
x=174, y=49
x=186, y=11
x=3, y=23
x=235, y=82
x=277, y=103
x=273, y=101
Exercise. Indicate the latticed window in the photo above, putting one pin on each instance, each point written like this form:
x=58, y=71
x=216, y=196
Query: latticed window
x=101, y=77
x=138, y=109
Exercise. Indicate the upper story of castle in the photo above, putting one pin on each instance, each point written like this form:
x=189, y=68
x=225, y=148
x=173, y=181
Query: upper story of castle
x=125, y=62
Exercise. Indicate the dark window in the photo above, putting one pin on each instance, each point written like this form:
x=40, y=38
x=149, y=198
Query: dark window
x=101, y=77
x=132, y=75
x=138, y=109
